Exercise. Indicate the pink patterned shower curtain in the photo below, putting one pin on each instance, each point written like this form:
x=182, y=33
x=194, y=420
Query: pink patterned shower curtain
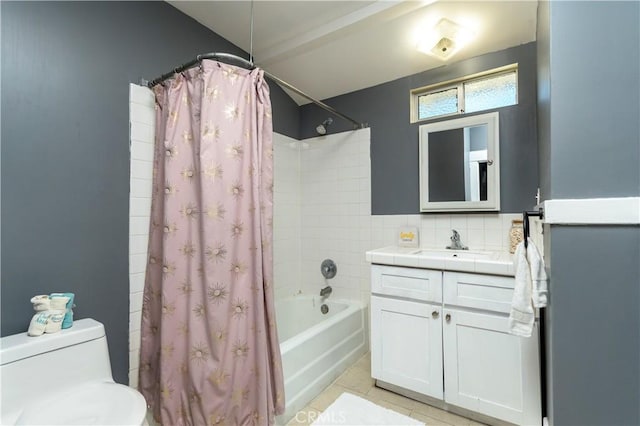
x=210, y=352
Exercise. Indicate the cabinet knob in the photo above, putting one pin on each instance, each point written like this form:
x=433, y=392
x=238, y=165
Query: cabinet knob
x=435, y=314
x=448, y=317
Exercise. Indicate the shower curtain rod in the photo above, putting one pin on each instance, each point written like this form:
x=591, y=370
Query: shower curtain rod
x=250, y=65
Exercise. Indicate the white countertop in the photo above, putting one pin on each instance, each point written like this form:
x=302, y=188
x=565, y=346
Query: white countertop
x=482, y=262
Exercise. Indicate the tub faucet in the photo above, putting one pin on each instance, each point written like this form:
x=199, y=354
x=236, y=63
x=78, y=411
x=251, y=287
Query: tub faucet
x=455, y=242
x=325, y=292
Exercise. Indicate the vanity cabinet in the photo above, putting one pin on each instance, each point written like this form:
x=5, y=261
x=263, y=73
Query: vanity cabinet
x=453, y=343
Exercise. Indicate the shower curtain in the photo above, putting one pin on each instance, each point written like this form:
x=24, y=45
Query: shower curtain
x=209, y=352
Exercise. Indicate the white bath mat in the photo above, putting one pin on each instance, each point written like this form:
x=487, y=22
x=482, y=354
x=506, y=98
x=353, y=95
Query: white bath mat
x=352, y=410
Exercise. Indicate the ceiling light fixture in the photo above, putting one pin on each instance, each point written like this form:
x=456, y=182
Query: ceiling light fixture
x=444, y=39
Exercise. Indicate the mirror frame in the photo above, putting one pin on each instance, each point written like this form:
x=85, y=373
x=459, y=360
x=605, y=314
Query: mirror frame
x=492, y=203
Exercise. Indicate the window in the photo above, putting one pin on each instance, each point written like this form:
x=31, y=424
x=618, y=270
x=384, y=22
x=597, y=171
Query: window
x=441, y=102
x=492, y=89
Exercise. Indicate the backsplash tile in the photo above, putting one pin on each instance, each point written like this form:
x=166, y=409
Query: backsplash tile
x=478, y=231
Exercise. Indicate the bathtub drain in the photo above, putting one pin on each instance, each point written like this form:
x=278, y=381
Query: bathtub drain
x=324, y=308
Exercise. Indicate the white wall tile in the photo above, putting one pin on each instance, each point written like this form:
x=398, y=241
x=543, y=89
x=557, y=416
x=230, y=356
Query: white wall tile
x=136, y=282
x=139, y=225
x=475, y=239
x=142, y=129
x=134, y=359
x=286, y=221
x=134, y=321
x=140, y=207
x=475, y=221
x=428, y=237
x=141, y=169
x=138, y=244
x=493, y=239
x=443, y=221
x=492, y=221
x=133, y=378
x=134, y=340
x=140, y=188
x=141, y=113
x=335, y=181
x=137, y=263
x=141, y=150
x=141, y=95
x=135, y=302
x=459, y=222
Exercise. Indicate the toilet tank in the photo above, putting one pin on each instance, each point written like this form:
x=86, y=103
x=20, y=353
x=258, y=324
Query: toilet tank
x=31, y=366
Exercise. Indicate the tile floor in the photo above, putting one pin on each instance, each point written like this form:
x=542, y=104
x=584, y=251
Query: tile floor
x=357, y=381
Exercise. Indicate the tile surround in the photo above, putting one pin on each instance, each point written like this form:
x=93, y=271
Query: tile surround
x=335, y=176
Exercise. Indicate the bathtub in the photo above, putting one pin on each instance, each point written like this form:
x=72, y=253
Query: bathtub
x=316, y=348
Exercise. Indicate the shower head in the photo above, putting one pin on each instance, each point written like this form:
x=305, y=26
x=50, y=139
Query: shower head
x=322, y=128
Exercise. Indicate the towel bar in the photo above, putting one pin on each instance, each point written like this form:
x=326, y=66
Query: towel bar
x=525, y=222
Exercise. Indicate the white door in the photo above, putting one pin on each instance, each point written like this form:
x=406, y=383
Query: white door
x=490, y=371
x=406, y=344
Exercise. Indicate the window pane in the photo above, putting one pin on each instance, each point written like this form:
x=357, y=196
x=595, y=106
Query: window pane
x=492, y=92
x=438, y=103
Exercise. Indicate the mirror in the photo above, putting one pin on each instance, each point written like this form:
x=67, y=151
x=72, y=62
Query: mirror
x=459, y=164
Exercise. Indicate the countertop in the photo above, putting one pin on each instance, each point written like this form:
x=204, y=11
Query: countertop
x=481, y=262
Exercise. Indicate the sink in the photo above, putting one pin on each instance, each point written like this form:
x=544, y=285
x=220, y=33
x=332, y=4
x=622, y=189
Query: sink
x=453, y=254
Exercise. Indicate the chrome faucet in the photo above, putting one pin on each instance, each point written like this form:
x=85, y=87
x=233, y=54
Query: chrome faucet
x=455, y=242
x=325, y=292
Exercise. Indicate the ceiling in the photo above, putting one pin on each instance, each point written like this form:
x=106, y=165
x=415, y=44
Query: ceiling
x=328, y=48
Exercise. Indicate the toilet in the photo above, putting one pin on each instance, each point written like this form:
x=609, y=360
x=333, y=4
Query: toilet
x=64, y=379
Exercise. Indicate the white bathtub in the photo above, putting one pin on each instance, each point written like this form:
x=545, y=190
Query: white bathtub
x=316, y=348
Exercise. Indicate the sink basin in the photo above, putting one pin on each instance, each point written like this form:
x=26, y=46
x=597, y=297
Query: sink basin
x=453, y=254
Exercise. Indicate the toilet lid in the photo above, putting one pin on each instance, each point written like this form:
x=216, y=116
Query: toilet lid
x=102, y=403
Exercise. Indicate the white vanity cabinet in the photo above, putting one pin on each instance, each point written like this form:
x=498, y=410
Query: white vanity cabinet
x=407, y=352
x=452, y=343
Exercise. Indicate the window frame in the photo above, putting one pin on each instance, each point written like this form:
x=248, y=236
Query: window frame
x=459, y=83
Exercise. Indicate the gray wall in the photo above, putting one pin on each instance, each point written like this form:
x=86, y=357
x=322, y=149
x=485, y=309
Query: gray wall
x=66, y=69
x=394, y=141
x=595, y=82
x=543, y=46
x=589, y=104
x=594, y=325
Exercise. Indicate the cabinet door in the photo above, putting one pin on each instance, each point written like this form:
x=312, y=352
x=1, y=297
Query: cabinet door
x=490, y=371
x=406, y=344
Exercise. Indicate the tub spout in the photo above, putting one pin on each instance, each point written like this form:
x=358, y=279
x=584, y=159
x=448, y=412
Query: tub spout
x=325, y=292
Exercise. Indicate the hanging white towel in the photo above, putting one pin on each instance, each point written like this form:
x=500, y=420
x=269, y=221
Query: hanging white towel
x=530, y=290
x=538, y=276
x=522, y=315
